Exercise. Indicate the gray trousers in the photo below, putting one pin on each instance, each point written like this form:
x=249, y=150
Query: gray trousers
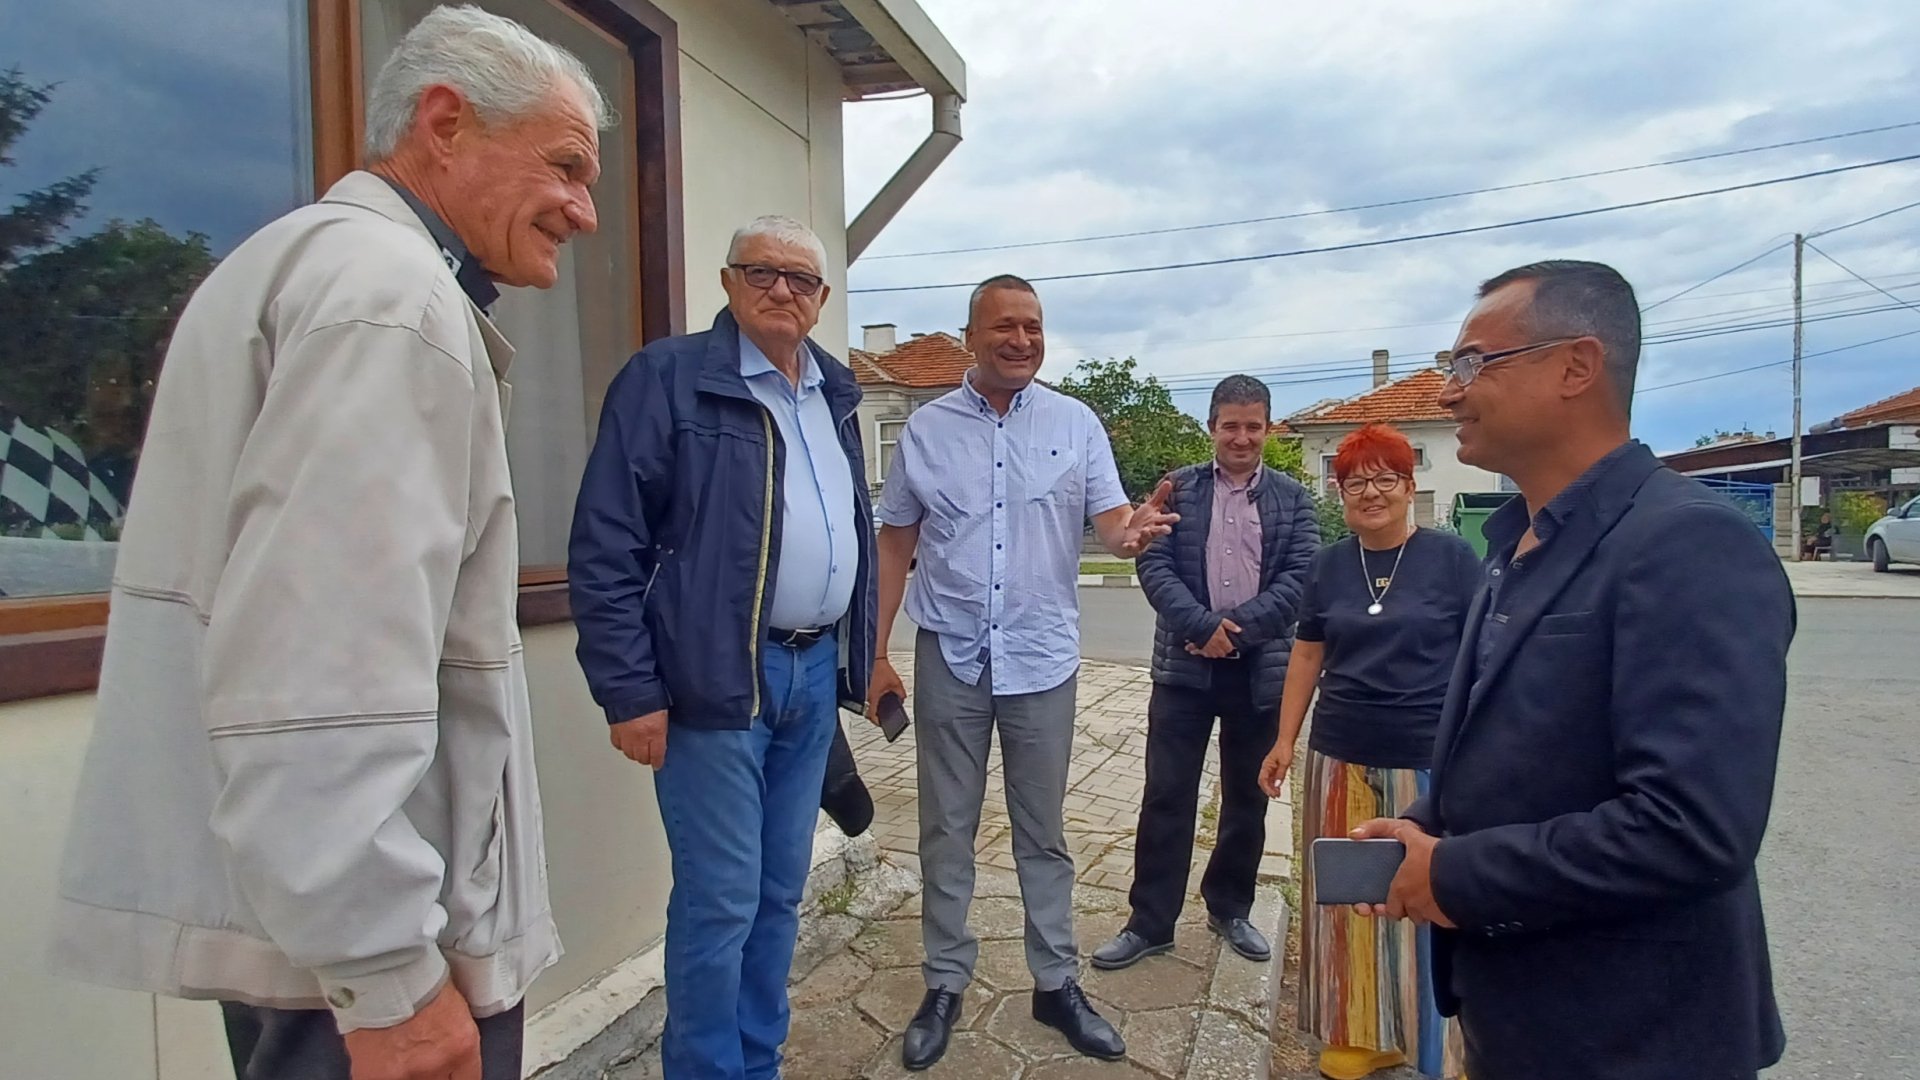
x=953, y=734
x=305, y=1044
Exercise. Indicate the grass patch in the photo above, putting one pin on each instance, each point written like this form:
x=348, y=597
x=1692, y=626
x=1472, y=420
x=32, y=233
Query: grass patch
x=837, y=900
x=1209, y=824
x=1106, y=566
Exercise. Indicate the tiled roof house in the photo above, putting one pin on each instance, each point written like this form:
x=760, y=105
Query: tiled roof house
x=1410, y=403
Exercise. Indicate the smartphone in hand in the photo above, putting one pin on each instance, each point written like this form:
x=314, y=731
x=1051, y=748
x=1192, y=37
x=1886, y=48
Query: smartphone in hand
x=893, y=715
x=1354, y=871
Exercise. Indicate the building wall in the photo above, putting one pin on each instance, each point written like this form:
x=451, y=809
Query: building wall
x=883, y=403
x=1443, y=474
x=761, y=132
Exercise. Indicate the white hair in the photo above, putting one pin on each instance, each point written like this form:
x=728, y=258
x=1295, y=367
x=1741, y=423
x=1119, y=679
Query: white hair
x=503, y=70
x=784, y=229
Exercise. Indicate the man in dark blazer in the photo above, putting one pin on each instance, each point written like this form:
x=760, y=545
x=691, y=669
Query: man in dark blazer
x=1605, y=761
x=1225, y=587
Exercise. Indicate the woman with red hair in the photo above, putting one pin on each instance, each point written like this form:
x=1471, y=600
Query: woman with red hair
x=1380, y=623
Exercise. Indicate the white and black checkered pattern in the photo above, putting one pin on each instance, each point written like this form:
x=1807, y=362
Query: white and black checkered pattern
x=45, y=483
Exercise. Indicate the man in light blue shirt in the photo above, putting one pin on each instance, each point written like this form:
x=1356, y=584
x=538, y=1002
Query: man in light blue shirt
x=991, y=487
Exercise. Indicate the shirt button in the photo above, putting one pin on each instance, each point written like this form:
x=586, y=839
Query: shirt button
x=996, y=586
x=1229, y=551
x=997, y=506
x=996, y=547
x=1229, y=521
x=999, y=464
x=341, y=998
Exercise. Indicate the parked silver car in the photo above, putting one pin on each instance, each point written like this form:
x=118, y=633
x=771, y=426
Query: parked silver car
x=1896, y=537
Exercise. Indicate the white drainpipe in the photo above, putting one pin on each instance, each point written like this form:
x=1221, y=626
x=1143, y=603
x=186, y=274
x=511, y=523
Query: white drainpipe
x=914, y=172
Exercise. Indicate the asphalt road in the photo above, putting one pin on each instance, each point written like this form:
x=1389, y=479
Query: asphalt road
x=1841, y=862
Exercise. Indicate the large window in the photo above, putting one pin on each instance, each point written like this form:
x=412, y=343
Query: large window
x=569, y=340
x=139, y=143
x=886, y=441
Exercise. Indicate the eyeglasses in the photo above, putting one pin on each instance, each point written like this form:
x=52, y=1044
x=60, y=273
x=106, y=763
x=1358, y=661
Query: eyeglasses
x=1385, y=483
x=763, y=277
x=1463, y=368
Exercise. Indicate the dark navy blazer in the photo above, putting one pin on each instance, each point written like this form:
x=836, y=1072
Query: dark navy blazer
x=1602, y=781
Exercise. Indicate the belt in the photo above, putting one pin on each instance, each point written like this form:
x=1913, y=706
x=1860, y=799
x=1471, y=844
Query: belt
x=796, y=639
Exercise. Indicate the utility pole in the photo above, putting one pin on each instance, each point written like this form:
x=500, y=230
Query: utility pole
x=1799, y=249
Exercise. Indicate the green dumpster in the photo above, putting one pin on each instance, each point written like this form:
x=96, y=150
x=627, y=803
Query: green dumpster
x=1470, y=512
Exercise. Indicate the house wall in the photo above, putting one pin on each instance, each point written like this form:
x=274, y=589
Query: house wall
x=1443, y=474
x=1904, y=437
x=761, y=133
x=887, y=403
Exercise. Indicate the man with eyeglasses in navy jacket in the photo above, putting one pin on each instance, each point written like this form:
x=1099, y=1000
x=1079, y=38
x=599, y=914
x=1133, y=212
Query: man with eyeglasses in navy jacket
x=721, y=576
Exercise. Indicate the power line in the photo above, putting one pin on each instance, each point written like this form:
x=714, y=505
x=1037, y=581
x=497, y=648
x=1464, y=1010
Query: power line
x=1775, y=363
x=1864, y=220
x=1388, y=241
x=1860, y=279
x=1334, y=371
x=1714, y=278
x=1184, y=343
x=1392, y=202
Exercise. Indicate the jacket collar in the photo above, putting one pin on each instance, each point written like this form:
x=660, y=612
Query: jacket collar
x=1574, y=522
x=373, y=193
x=720, y=369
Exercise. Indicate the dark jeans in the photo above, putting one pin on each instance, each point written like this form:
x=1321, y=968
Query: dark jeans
x=1179, y=729
x=304, y=1044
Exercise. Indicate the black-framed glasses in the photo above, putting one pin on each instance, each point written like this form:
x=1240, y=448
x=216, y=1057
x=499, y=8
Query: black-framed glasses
x=1463, y=368
x=1385, y=483
x=763, y=277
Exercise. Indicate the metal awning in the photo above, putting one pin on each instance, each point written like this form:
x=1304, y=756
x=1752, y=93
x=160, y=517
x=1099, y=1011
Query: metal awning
x=1833, y=463
x=882, y=46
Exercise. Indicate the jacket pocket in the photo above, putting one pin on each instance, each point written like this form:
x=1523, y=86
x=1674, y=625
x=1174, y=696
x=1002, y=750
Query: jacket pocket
x=1568, y=624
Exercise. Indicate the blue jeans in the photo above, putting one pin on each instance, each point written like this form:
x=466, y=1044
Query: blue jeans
x=739, y=809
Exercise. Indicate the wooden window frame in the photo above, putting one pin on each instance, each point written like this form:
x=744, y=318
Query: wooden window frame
x=52, y=645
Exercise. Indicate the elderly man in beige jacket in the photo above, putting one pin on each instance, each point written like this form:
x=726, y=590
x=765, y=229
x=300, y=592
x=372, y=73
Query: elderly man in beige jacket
x=310, y=793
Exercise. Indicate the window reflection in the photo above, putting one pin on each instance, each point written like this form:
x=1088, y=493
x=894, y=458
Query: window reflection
x=139, y=143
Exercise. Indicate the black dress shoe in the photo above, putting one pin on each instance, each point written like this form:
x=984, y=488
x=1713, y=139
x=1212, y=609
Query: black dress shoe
x=1241, y=937
x=1125, y=950
x=926, y=1038
x=1068, y=1010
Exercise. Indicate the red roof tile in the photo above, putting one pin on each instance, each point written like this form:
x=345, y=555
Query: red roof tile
x=1899, y=407
x=1409, y=399
x=925, y=362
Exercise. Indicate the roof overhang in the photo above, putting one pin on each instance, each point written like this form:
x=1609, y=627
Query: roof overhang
x=883, y=47
x=1833, y=463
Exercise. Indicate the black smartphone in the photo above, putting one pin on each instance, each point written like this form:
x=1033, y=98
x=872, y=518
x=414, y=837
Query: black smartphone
x=893, y=715
x=1354, y=871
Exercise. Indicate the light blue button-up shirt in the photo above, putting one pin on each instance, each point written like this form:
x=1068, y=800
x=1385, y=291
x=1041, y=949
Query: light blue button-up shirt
x=819, y=550
x=1002, y=504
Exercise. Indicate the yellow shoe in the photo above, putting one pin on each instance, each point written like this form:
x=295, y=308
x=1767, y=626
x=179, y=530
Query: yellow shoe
x=1356, y=1063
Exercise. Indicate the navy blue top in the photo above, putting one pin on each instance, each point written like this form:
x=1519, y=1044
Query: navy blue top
x=1384, y=676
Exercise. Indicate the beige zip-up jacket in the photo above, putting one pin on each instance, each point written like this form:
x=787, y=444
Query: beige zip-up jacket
x=311, y=779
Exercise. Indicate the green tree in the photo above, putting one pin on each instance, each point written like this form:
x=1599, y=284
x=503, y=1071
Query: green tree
x=1151, y=436
x=1284, y=455
x=87, y=319
x=1331, y=515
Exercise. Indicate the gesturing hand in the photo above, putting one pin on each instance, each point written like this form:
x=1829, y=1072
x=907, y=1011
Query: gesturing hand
x=1149, y=521
x=644, y=738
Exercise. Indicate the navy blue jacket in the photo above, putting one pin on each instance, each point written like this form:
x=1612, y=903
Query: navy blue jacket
x=676, y=536
x=1603, y=785
x=1173, y=574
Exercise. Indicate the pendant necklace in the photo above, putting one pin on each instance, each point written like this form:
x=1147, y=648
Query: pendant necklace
x=1366, y=575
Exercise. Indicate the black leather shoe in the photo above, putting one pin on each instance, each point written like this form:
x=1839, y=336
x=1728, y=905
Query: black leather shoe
x=1126, y=950
x=1241, y=937
x=1068, y=1010
x=926, y=1038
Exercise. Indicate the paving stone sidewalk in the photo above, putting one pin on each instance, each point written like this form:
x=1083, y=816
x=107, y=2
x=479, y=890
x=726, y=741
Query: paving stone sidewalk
x=1198, y=1012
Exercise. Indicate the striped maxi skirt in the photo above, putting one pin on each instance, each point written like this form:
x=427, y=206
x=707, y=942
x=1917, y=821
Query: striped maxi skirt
x=1367, y=982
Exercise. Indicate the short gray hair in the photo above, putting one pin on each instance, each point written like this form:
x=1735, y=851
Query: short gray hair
x=784, y=229
x=503, y=70
x=1576, y=298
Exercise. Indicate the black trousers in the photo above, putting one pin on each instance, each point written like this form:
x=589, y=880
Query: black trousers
x=1179, y=729
x=305, y=1044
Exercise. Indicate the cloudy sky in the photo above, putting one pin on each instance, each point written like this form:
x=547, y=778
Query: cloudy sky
x=1091, y=117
